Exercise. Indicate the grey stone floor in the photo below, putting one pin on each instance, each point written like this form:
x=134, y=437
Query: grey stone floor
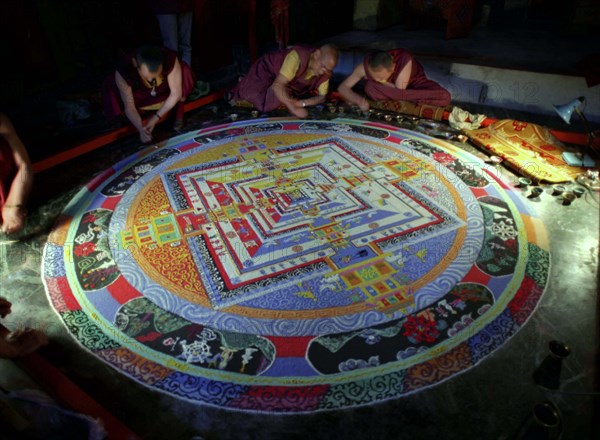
x=490, y=401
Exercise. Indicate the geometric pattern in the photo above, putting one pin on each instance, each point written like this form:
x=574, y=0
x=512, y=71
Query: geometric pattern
x=281, y=265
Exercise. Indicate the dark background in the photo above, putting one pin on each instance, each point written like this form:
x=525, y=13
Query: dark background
x=46, y=43
x=55, y=50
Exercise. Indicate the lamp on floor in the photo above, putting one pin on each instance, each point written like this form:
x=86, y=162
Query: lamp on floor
x=565, y=111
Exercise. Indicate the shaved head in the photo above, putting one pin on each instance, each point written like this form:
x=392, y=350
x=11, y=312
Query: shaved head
x=379, y=59
x=329, y=54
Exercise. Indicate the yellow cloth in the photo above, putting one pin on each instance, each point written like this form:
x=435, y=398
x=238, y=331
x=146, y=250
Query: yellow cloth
x=528, y=148
x=290, y=67
x=156, y=106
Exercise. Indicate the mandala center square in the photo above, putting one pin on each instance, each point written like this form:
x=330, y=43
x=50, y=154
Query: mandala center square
x=297, y=212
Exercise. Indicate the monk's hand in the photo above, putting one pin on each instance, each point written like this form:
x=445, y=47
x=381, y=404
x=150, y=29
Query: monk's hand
x=13, y=218
x=301, y=113
x=299, y=110
x=363, y=104
x=150, y=124
x=145, y=135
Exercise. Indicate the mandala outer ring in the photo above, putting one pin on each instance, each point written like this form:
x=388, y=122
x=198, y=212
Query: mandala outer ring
x=271, y=395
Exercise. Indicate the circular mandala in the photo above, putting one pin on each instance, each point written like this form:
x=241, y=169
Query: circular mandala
x=296, y=266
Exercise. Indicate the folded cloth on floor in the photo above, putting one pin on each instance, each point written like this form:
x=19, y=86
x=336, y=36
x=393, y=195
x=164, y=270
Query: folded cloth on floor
x=528, y=148
x=200, y=89
x=463, y=120
x=71, y=111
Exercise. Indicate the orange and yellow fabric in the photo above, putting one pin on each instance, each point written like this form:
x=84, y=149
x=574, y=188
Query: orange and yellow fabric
x=410, y=108
x=528, y=148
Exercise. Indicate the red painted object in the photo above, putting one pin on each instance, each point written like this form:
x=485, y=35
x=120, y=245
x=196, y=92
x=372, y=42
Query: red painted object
x=107, y=138
x=68, y=393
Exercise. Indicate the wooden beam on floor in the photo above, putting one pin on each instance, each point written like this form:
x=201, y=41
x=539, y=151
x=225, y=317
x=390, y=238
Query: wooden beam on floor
x=107, y=138
x=69, y=394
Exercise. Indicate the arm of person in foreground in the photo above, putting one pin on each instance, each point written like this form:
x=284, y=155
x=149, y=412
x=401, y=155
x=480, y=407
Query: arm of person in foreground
x=319, y=98
x=175, y=80
x=314, y=100
x=293, y=105
x=130, y=110
x=13, y=211
x=349, y=95
x=404, y=76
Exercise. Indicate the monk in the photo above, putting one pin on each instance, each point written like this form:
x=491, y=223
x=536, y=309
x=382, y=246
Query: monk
x=152, y=79
x=16, y=181
x=393, y=75
x=16, y=178
x=296, y=78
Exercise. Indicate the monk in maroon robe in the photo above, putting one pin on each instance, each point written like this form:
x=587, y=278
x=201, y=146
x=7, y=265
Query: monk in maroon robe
x=394, y=75
x=16, y=178
x=152, y=79
x=296, y=78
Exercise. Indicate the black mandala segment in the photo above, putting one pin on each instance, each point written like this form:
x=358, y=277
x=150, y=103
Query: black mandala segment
x=468, y=171
x=402, y=339
x=124, y=181
x=191, y=343
x=92, y=257
x=219, y=135
x=500, y=252
x=88, y=333
x=538, y=265
x=370, y=131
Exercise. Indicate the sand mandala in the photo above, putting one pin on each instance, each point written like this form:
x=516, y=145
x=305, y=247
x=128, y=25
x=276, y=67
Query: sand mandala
x=289, y=266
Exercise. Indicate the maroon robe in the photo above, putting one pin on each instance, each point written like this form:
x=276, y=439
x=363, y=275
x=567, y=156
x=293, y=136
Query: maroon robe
x=8, y=170
x=111, y=98
x=419, y=89
x=255, y=87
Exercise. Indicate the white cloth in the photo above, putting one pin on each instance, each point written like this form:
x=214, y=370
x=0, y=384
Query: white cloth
x=463, y=120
